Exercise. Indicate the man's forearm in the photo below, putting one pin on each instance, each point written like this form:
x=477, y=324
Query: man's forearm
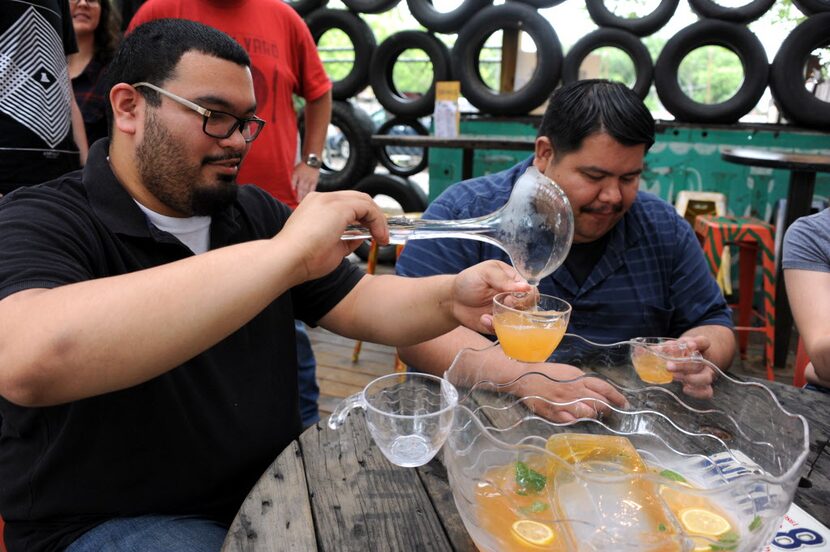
x=394, y=310
x=102, y=335
x=436, y=355
x=317, y=118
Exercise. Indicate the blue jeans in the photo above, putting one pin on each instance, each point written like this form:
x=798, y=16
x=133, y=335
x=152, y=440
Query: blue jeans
x=307, y=377
x=153, y=533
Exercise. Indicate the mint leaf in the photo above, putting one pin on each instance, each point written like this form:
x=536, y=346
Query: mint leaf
x=535, y=508
x=727, y=541
x=756, y=523
x=662, y=527
x=674, y=476
x=528, y=479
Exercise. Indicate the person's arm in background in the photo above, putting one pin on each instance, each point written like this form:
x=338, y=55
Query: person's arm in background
x=805, y=258
x=78, y=130
x=809, y=295
x=317, y=117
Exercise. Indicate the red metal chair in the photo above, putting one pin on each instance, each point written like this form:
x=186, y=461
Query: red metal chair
x=750, y=235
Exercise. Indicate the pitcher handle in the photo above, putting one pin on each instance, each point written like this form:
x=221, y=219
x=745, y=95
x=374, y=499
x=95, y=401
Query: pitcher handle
x=338, y=417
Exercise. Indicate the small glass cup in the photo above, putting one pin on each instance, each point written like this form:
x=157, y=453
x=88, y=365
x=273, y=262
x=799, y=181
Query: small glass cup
x=409, y=415
x=649, y=355
x=529, y=326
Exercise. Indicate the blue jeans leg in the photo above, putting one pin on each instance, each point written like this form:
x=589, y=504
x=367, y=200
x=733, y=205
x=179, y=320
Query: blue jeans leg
x=307, y=377
x=153, y=533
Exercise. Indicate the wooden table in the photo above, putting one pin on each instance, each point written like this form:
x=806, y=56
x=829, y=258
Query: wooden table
x=803, y=169
x=334, y=490
x=467, y=142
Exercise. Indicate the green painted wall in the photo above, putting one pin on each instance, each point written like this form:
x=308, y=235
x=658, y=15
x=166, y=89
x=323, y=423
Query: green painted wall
x=685, y=157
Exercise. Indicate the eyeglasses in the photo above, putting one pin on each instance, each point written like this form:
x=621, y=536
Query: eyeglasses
x=216, y=124
x=90, y=2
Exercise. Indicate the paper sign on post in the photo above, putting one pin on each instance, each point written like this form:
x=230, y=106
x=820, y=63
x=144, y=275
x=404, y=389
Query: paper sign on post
x=446, y=118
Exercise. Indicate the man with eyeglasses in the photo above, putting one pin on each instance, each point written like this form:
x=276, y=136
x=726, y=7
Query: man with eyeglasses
x=284, y=62
x=147, y=362
x=42, y=132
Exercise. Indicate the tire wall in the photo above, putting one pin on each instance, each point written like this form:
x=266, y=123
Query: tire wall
x=472, y=21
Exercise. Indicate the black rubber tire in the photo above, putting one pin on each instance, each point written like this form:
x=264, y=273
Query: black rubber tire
x=370, y=6
x=539, y=4
x=705, y=32
x=465, y=56
x=445, y=22
x=382, y=152
x=641, y=26
x=742, y=14
x=357, y=127
x=409, y=195
x=811, y=7
x=383, y=65
x=787, y=73
x=617, y=38
x=305, y=7
x=363, y=42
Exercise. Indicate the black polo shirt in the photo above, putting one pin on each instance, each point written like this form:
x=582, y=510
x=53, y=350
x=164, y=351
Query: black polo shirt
x=191, y=441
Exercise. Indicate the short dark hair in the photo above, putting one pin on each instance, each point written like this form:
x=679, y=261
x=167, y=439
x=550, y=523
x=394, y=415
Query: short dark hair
x=151, y=52
x=580, y=109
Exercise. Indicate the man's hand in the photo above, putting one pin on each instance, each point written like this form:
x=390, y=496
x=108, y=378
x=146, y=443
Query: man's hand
x=304, y=180
x=695, y=375
x=587, y=387
x=311, y=236
x=474, y=288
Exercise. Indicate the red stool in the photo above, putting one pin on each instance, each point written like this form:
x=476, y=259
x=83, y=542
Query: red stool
x=750, y=235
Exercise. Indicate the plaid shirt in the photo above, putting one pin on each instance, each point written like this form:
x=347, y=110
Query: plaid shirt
x=652, y=279
x=90, y=89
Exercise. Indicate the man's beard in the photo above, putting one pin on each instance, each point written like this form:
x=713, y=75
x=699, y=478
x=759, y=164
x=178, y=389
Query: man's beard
x=159, y=160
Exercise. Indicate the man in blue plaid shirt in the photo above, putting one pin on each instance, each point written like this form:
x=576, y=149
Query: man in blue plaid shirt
x=635, y=269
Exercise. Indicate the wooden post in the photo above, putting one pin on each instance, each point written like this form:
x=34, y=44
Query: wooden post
x=509, y=55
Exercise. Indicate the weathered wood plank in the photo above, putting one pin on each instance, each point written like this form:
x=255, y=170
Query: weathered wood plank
x=434, y=478
x=276, y=514
x=362, y=502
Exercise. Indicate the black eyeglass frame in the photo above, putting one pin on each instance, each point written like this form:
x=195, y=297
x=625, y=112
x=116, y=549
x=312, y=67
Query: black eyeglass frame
x=240, y=122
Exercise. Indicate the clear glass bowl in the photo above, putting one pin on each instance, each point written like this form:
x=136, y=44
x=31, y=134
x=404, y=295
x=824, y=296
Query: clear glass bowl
x=667, y=472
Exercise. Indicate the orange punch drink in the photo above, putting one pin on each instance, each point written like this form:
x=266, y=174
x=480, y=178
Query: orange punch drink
x=529, y=326
x=649, y=355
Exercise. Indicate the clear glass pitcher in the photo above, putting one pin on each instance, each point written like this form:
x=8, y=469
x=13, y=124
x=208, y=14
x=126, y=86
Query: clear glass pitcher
x=535, y=227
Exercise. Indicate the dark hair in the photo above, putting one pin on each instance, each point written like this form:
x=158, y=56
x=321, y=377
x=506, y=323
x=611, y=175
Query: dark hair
x=107, y=34
x=580, y=109
x=151, y=52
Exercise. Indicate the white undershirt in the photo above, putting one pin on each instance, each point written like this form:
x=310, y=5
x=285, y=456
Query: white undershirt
x=194, y=232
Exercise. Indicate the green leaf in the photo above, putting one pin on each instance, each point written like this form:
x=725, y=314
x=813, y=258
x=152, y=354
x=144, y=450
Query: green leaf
x=673, y=475
x=756, y=523
x=528, y=479
x=535, y=508
x=662, y=527
x=727, y=541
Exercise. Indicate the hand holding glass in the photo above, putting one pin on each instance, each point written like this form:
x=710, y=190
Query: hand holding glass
x=529, y=326
x=650, y=356
x=409, y=415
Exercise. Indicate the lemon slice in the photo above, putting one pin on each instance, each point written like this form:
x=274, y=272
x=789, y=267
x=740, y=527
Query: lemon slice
x=533, y=532
x=704, y=522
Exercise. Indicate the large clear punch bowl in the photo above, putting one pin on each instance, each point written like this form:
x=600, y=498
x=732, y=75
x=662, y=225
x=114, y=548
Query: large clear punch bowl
x=664, y=472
